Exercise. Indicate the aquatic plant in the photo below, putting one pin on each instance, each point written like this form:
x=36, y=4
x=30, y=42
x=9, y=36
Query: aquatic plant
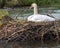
x=3, y=13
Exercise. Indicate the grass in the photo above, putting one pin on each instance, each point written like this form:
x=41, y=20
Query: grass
x=3, y=13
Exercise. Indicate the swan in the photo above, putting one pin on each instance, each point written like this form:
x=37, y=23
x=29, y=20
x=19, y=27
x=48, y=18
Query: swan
x=38, y=17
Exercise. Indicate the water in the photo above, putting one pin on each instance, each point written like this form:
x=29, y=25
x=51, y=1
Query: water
x=23, y=13
x=30, y=45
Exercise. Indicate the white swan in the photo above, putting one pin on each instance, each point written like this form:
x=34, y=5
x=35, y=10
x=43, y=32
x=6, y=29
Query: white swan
x=38, y=17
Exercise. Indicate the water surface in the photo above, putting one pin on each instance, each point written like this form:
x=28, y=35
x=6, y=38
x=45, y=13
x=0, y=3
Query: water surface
x=30, y=45
x=23, y=13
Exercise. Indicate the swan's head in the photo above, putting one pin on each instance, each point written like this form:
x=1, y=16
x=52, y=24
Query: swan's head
x=33, y=5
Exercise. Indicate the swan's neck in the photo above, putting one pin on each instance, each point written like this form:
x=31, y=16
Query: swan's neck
x=35, y=10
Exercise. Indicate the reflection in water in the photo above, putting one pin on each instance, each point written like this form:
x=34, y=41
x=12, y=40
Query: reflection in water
x=30, y=45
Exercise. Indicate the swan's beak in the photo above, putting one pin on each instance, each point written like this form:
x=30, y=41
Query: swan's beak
x=31, y=7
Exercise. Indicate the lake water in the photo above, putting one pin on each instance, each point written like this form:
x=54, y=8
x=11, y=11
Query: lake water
x=30, y=45
x=23, y=13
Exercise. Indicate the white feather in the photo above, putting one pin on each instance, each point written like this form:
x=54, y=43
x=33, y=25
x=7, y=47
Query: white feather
x=38, y=17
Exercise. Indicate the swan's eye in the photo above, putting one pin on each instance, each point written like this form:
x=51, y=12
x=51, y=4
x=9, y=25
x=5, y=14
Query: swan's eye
x=31, y=7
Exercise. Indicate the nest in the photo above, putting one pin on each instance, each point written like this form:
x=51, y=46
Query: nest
x=14, y=31
x=28, y=31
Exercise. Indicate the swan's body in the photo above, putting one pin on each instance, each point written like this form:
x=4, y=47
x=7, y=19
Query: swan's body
x=37, y=17
x=40, y=18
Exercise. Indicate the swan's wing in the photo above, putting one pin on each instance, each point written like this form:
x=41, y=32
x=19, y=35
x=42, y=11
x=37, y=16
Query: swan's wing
x=49, y=18
x=39, y=18
x=30, y=18
x=46, y=18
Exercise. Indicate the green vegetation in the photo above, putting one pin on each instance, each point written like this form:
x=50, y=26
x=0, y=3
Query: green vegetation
x=3, y=13
x=12, y=3
x=48, y=2
x=1, y=3
x=25, y=2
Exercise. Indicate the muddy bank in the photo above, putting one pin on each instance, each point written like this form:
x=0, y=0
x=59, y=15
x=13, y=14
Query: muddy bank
x=14, y=31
